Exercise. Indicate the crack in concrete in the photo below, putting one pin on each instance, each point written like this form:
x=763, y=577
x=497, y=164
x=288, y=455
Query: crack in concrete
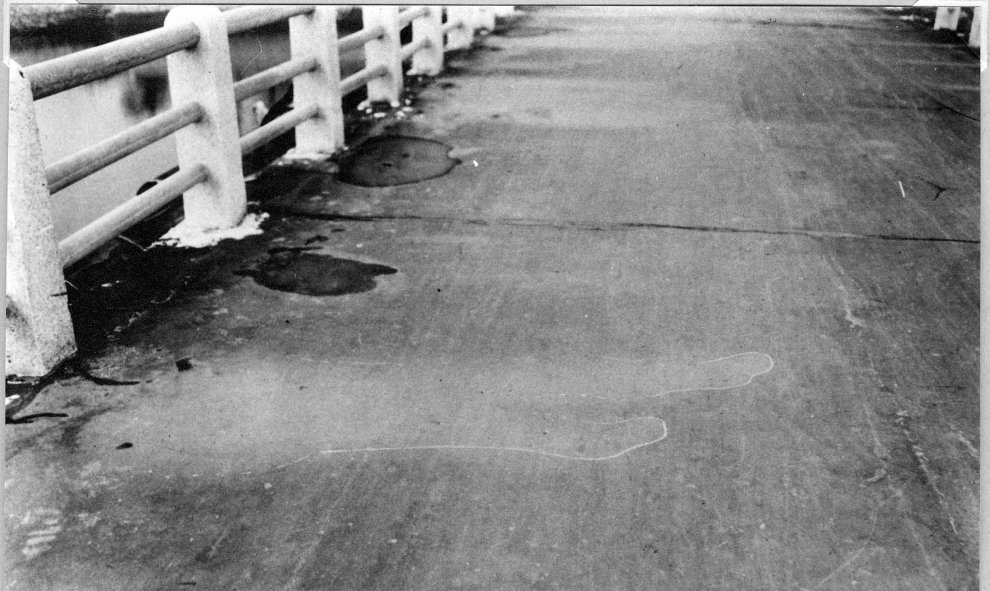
x=618, y=226
x=956, y=111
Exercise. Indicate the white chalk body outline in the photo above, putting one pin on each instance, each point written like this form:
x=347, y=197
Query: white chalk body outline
x=704, y=388
x=550, y=454
x=730, y=386
x=492, y=448
x=540, y=452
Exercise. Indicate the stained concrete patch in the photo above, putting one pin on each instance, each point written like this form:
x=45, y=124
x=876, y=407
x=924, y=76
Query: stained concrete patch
x=390, y=160
x=305, y=273
x=530, y=31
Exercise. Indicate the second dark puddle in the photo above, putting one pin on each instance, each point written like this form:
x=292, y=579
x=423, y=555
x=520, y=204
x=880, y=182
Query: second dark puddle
x=389, y=160
x=378, y=162
x=296, y=271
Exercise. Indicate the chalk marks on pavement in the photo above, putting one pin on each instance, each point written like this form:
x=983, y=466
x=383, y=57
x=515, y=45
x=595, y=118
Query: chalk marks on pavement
x=600, y=442
x=724, y=373
x=591, y=441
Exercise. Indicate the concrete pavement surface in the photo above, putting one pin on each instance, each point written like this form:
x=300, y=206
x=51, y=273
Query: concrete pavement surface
x=698, y=309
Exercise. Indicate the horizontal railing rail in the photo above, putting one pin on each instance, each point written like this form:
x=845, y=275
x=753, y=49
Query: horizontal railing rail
x=451, y=26
x=85, y=162
x=410, y=14
x=409, y=50
x=276, y=127
x=89, y=65
x=80, y=244
x=195, y=44
x=274, y=76
x=358, y=39
x=360, y=78
x=246, y=18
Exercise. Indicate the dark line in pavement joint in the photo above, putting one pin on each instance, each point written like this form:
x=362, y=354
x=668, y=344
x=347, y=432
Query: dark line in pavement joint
x=593, y=227
x=948, y=108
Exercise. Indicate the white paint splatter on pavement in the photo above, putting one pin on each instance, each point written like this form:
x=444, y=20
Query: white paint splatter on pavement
x=187, y=235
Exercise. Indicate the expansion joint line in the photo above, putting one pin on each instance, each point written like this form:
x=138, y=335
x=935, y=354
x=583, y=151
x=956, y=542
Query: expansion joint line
x=618, y=226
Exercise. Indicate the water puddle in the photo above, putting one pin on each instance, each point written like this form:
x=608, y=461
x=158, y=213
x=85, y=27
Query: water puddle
x=297, y=271
x=390, y=160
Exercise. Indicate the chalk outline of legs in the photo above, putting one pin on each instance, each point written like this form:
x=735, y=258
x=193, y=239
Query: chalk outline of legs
x=455, y=447
x=707, y=389
x=496, y=448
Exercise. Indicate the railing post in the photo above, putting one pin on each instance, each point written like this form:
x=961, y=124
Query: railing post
x=39, y=330
x=383, y=51
x=203, y=74
x=976, y=29
x=315, y=34
x=947, y=17
x=429, y=60
x=462, y=36
x=485, y=18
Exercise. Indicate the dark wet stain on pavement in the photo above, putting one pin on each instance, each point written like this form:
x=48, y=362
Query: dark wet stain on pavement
x=390, y=160
x=82, y=372
x=530, y=31
x=321, y=237
x=20, y=392
x=316, y=275
x=28, y=419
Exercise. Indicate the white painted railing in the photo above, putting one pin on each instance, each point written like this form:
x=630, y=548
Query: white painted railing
x=194, y=41
x=947, y=17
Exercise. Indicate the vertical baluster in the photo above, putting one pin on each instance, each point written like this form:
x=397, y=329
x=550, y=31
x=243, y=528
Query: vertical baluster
x=429, y=60
x=485, y=18
x=461, y=36
x=947, y=17
x=315, y=34
x=976, y=30
x=203, y=74
x=384, y=51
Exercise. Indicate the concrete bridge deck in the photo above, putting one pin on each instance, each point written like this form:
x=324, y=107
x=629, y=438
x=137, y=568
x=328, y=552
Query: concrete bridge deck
x=698, y=310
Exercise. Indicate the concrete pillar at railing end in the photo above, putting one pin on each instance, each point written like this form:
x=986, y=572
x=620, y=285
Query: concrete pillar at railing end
x=462, y=36
x=383, y=51
x=315, y=34
x=429, y=60
x=203, y=74
x=947, y=17
x=39, y=330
